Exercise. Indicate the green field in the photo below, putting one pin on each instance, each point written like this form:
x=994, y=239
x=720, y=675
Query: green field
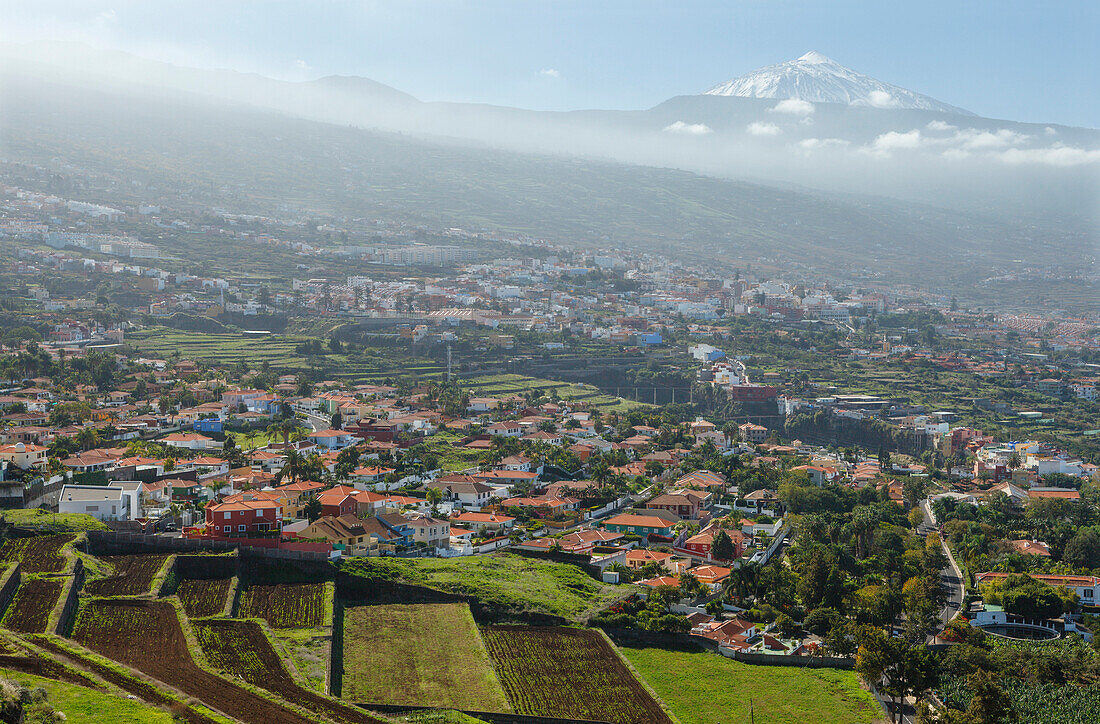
x=427, y=654
x=87, y=706
x=705, y=688
x=509, y=384
x=54, y=521
x=508, y=581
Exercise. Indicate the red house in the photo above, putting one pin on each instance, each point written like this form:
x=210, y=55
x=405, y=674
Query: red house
x=700, y=544
x=244, y=517
x=337, y=501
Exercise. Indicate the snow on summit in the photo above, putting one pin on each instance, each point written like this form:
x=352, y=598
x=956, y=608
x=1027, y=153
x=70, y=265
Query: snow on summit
x=818, y=79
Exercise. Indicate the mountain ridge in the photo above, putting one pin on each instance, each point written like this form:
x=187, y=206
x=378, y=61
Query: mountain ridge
x=816, y=78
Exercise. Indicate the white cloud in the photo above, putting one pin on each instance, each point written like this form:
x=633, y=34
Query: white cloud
x=940, y=126
x=302, y=65
x=1050, y=131
x=882, y=99
x=688, y=129
x=1057, y=155
x=886, y=143
x=814, y=144
x=550, y=72
x=759, y=128
x=104, y=17
x=956, y=154
x=973, y=139
x=794, y=107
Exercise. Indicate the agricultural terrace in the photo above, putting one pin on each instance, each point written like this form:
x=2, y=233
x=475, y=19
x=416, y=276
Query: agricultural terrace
x=203, y=597
x=428, y=654
x=82, y=704
x=504, y=580
x=241, y=649
x=30, y=609
x=130, y=683
x=38, y=554
x=509, y=384
x=279, y=350
x=147, y=636
x=299, y=605
x=133, y=575
x=705, y=688
x=569, y=673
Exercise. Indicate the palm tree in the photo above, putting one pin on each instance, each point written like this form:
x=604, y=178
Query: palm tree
x=293, y=467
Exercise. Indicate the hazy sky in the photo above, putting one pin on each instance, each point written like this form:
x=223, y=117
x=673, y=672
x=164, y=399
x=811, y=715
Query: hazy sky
x=1027, y=61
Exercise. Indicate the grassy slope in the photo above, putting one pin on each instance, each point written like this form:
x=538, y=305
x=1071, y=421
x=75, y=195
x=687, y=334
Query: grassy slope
x=505, y=580
x=59, y=521
x=426, y=654
x=82, y=705
x=705, y=688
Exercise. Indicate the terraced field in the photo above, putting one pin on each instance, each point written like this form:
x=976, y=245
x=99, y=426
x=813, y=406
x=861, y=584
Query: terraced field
x=203, y=597
x=241, y=649
x=568, y=673
x=147, y=636
x=508, y=384
x=31, y=607
x=133, y=575
x=38, y=554
x=427, y=654
x=285, y=606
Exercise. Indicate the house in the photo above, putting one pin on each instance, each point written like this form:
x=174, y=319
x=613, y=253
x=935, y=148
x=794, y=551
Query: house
x=712, y=576
x=89, y=461
x=759, y=502
x=701, y=543
x=428, y=530
x=189, y=441
x=244, y=517
x=338, y=501
x=483, y=404
x=685, y=504
x=641, y=557
x=357, y=536
x=294, y=496
x=467, y=493
x=520, y=463
x=482, y=522
x=753, y=433
x=103, y=502
x=643, y=525
x=508, y=428
x=546, y=438
x=581, y=541
x=1030, y=547
x=1054, y=493
x=23, y=455
x=331, y=439
x=733, y=633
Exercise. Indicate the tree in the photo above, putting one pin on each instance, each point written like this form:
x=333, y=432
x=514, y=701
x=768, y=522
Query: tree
x=312, y=509
x=434, y=496
x=897, y=668
x=722, y=547
x=337, y=421
x=1027, y=597
x=1083, y=550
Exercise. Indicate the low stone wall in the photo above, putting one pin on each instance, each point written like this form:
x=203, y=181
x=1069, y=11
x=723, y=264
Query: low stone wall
x=489, y=716
x=9, y=584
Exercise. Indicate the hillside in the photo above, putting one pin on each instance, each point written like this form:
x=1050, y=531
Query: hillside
x=178, y=151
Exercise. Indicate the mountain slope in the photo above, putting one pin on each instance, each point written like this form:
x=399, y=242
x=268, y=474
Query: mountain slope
x=818, y=79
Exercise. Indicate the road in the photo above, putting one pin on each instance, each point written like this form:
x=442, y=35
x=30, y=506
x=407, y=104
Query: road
x=951, y=578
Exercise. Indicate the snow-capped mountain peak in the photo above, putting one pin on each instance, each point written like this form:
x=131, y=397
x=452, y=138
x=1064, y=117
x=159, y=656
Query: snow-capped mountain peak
x=819, y=79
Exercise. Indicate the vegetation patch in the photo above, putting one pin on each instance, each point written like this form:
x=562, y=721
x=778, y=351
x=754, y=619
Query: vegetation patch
x=53, y=521
x=705, y=688
x=203, y=597
x=133, y=575
x=30, y=609
x=82, y=704
x=241, y=649
x=37, y=554
x=568, y=673
x=285, y=605
x=506, y=581
x=419, y=654
x=147, y=636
